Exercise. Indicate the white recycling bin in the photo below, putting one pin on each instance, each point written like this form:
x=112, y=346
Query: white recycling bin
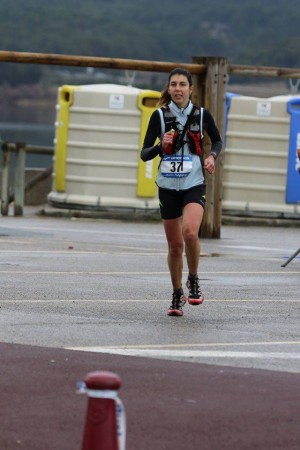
x=99, y=134
x=261, y=138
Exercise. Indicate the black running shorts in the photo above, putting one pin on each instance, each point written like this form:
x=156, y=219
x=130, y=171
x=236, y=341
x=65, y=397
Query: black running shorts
x=172, y=202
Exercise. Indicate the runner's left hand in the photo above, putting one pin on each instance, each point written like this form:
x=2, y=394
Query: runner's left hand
x=209, y=164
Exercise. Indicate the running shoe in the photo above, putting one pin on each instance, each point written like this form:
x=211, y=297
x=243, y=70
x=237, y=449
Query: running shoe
x=178, y=301
x=195, y=294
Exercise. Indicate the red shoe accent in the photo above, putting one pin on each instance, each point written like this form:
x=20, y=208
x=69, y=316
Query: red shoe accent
x=196, y=301
x=175, y=312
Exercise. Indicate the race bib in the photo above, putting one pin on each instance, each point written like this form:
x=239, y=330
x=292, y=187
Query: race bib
x=174, y=166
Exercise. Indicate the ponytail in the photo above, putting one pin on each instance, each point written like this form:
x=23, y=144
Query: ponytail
x=165, y=97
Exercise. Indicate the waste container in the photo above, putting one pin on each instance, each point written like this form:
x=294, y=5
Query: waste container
x=293, y=167
x=99, y=134
x=259, y=175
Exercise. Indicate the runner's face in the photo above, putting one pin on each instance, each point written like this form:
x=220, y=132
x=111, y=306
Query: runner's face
x=180, y=90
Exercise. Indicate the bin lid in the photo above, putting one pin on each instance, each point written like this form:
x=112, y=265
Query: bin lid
x=110, y=88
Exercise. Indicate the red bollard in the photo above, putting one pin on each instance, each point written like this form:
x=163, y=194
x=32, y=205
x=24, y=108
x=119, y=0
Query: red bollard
x=103, y=430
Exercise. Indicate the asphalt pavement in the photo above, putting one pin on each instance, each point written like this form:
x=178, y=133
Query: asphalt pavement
x=85, y=294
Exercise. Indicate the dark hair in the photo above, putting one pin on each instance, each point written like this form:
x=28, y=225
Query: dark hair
x=165, y=96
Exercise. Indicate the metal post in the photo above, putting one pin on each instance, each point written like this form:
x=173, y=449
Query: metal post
x=291, y=258
x=19, y=179
x=5, y=180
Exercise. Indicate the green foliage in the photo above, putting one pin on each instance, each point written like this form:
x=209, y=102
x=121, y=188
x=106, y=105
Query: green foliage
x=246, y=32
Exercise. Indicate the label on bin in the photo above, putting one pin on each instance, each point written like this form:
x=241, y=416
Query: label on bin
x=263, y=108
x=116, y=101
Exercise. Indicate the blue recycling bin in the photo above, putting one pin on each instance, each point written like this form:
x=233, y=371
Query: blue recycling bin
x=293, y=169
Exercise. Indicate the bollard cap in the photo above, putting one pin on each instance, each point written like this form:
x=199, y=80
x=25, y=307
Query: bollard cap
x=101, y=380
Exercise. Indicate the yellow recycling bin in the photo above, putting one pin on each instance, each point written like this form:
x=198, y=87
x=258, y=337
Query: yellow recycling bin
x=99, y=133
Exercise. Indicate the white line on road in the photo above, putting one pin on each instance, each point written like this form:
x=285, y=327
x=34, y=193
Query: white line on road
x=183, y=346
x=190, y=353
x=70, y=252
x=62, y=272
x=98, y=300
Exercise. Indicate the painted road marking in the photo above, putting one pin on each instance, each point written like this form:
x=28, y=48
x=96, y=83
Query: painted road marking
x=193, y=351
x=125, y=247
x=71, y=252
x=185, y=346
x=98, y=300
x=190, y=353
x=64, y=272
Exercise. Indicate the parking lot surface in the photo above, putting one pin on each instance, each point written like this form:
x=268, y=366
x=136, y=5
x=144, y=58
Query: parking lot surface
x=84, y=294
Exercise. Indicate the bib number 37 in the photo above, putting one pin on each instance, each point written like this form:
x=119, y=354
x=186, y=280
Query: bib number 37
x=175, y=166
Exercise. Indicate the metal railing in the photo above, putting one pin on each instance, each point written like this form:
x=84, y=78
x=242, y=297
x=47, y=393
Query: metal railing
x=16, y=193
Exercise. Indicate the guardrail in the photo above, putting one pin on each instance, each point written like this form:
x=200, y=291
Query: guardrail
x=142, y=65
x=19, y=187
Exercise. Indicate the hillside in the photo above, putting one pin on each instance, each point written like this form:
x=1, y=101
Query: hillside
x=247, y=32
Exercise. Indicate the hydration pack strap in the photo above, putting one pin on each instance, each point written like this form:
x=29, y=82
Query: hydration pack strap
x=162, y=121
x=179, y=143
x=201, y=122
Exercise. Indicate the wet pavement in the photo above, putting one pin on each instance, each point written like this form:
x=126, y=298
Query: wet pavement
x=92, y=294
